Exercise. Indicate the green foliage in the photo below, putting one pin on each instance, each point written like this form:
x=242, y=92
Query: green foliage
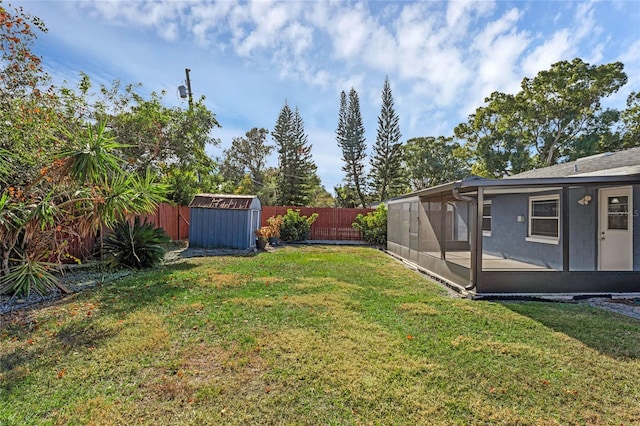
x=557, y=113
x=346, y=196
x=373, y=226
x=136, y=245
x=387, y=177
x=91, y=158
x=350, y=138
x=295, y=227
x=631, y=121
x=294, y=179
x=432, y=161
x=250, y=154
x=26, y=274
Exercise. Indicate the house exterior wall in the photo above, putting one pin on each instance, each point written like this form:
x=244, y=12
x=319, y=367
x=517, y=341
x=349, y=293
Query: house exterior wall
x=508, y=236
x=218, y=228
x=509, y=240
x=583, y=230
x=636, y=227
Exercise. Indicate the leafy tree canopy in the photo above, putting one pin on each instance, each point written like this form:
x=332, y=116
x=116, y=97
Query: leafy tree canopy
x=555, y=113
x=432, y=161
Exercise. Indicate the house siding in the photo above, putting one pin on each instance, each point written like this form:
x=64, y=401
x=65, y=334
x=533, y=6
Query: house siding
x=583, y=230
x=636, y=227
x=508, y=236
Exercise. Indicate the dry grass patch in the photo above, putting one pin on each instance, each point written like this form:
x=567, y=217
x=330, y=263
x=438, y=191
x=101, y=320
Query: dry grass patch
x=419, y=308
x=219, y=280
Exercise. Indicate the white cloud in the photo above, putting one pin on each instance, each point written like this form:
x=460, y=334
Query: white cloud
x=208, y=19
x=558, y=48
x=350, y=31
x=499, y=47
x=159, y=16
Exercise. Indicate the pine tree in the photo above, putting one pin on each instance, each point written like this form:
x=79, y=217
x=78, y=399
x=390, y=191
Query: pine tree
x=387, y=178
x=350, y=138
x=296, y=167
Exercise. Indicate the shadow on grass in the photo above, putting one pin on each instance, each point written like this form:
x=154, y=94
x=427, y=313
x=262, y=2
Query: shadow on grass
x=609, y=334
x=115, y=299
x=142, y=289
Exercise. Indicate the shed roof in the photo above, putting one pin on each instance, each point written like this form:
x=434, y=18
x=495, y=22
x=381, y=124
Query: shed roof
x=626, y=162
x=223, y=201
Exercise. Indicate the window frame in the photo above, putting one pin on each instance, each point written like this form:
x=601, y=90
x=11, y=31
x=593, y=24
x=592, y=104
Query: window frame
x=543, y=238
x=487, y=232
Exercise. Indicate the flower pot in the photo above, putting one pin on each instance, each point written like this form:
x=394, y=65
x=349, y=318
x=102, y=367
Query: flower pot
x=261, y=244
x=274, y=241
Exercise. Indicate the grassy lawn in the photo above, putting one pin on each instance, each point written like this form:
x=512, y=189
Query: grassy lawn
x=312, y=335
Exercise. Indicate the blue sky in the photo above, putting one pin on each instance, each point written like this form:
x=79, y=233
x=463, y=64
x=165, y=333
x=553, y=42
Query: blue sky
x=246, y=58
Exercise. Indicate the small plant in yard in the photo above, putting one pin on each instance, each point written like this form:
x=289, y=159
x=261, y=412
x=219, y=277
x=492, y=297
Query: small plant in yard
x=373, y=226
x=275, y=223
x=296, y=227
x=136, y=245
x=264, y=233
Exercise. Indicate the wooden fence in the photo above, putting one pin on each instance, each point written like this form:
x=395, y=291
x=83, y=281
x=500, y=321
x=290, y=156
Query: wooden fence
x=333, y=224
x=173, y=219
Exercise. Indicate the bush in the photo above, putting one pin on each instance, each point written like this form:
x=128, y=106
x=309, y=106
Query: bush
x=26, y=274
x=295, y=227
x=136, y=245
x=373, y=226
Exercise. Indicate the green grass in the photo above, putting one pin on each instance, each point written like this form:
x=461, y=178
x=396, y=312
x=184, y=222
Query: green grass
x=312, y=335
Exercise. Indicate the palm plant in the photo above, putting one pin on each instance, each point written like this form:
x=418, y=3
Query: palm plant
x=135, y=245
x=79, y=192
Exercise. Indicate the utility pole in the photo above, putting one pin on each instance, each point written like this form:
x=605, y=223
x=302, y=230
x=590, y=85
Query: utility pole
x=189, y=92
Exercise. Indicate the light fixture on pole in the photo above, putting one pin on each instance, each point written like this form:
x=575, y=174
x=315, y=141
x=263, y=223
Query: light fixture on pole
x=186, y=91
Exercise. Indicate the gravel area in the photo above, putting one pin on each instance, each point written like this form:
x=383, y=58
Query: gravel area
x=628, y=307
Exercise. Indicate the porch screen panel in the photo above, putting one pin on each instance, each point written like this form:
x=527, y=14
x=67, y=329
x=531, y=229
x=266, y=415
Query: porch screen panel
x=405, y=224
x=394, y=223
x=430, y=229
x=457, y=242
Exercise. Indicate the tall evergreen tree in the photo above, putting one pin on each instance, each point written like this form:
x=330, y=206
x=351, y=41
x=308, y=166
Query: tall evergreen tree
x=296, y=167
x=387, y=178
x=350, y=138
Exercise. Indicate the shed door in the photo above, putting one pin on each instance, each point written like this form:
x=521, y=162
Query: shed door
x=615, y=229
x=255, y=224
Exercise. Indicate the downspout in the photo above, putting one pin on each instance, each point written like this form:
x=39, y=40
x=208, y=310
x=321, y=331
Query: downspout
x=474, y=244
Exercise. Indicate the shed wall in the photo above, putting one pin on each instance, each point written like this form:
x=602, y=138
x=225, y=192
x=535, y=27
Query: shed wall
x=216, y=228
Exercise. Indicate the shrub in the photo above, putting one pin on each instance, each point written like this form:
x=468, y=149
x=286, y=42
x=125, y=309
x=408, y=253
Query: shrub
x=27, y=274
x=275, y=223
x=296, y=227
x=373, y=226
x=264, y=233
x=136, y=245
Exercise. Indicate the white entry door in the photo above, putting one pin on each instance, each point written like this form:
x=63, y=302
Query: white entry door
x=616, y=229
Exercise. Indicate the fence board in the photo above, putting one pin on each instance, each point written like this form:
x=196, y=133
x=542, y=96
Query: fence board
x=332, y=223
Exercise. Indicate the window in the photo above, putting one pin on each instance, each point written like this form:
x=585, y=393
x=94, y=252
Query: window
x=486, y=218
x=544, y=219
x=618, y=212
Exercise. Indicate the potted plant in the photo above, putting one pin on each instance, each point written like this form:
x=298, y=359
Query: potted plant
x=263, y=233
x=274, y=223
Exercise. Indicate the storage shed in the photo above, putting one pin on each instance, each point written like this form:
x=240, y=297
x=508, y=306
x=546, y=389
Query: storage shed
x=224, y=221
